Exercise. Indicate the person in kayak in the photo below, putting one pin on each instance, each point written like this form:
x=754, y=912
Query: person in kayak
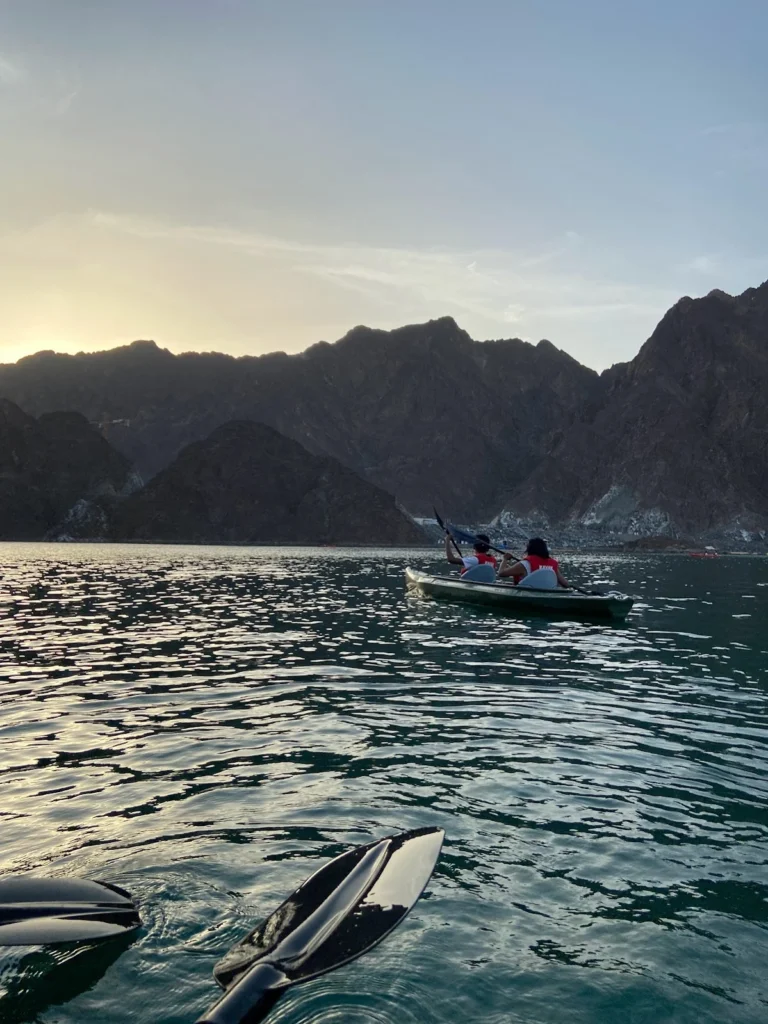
x=480, y=557
x=537, y=570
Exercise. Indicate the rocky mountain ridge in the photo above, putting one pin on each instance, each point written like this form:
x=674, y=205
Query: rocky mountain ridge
x=248, y=484
x=60, y=479
x=58, y=475
x=671, y=442
x=423, y=411
x=677, y=443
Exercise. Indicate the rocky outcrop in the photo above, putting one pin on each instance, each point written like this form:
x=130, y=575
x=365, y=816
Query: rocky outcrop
x=675, y=442
x=246, y=484
x=50, y=466
x=423, y=411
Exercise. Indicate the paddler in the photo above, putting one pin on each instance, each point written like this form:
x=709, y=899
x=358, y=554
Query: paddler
x=537, y=569
x=480, y=557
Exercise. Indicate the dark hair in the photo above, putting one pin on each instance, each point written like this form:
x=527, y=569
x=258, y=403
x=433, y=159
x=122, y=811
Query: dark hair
x=537, y=547
x=482, y=543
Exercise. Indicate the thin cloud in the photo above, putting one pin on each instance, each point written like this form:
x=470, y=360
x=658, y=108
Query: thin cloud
x=513, y=314
x=11, y=71
x=702, y=265
x=571, y=239
x=740, y=146
x=41, y=91
x=65, y=102
x=66, y=92
x=603, y=309
x=734, y=128
x=492, y=286
x=731, y=271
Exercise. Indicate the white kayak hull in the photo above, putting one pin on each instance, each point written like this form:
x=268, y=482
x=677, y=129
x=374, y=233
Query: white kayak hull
x=520, y=600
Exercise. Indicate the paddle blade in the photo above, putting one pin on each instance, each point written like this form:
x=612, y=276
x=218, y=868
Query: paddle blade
x=342, y=911
x=43, y=911
x=462, y=535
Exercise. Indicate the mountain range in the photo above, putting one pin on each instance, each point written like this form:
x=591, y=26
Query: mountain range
x=246, y=484
x=671, y=442
x=57, y=470
x=60, y=479
x=423, y=411
x=675, y=440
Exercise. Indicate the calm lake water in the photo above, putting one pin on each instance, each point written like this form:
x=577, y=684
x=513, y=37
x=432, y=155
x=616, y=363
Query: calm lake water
x=206, y=726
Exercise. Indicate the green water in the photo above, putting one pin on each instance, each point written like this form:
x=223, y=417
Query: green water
x=206, y=726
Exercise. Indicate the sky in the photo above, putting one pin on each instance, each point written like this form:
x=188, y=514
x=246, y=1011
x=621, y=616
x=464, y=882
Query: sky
x=257, y=175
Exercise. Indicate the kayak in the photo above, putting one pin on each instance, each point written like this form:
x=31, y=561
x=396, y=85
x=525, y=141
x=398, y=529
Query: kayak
x=520, y=600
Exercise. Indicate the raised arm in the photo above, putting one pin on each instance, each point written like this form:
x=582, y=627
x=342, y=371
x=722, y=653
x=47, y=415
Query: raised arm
x=450, y=552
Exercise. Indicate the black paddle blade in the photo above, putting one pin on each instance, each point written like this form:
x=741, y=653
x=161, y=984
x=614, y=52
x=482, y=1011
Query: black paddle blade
x=342, y=911
x=42, y=911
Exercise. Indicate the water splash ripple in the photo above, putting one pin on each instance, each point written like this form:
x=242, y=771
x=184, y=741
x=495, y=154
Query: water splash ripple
x=207, y=726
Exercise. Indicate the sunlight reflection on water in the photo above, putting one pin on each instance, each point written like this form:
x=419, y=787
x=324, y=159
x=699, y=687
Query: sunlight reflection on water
x=205, y=726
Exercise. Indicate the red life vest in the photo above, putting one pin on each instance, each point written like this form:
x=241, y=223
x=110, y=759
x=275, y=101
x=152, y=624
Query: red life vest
x=541, y=563
x=482, y=559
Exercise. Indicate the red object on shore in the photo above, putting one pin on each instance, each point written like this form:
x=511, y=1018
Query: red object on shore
x=703, y=554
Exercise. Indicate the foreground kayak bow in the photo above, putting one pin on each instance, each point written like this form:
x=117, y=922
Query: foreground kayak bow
x=42, y=911
x=346, y=908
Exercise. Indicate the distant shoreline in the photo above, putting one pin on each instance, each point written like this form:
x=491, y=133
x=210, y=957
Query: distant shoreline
x=429, y=549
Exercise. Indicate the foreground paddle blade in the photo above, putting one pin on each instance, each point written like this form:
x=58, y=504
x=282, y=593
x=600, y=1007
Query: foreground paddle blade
x=42, y=911
x=342, y=911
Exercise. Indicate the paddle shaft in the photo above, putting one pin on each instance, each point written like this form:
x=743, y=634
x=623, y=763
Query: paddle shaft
x=447, y=532
x=249, y=999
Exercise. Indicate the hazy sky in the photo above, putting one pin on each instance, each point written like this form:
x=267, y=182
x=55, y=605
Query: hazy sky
x=248, y=175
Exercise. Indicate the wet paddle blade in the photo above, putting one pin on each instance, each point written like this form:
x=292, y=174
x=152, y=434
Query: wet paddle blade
x=345, y=909
x=42, y=911
x=340, y=912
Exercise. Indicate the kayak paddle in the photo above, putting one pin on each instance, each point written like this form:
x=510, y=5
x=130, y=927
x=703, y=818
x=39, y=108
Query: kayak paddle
x=470, y=538
x=346, y=908
x=446, y=531
x=41, y=911
x=47, y=976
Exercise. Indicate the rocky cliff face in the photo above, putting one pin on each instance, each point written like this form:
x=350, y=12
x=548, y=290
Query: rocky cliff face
x=246, y=483
x=54, y=469
x=423, y=411
x=676, y=440
x=671, y=443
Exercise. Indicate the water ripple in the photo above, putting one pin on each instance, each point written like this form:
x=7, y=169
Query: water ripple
x=207, y=726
